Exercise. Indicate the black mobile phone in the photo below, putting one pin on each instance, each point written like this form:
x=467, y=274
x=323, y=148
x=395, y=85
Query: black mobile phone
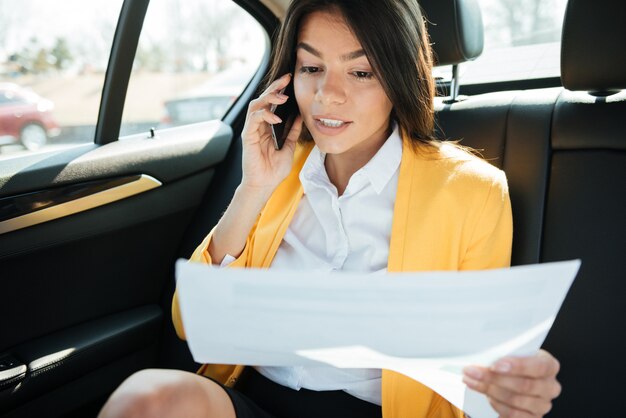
x=287, y=112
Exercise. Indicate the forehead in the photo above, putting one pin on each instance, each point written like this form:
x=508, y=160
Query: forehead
x=327, y=31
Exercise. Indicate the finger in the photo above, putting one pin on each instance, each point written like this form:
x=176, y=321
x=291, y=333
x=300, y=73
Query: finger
x=506, y=411
x=548, y=388
x=266, y=101
x=269, y=98
x=258, y=119
x=293, y=135
x=536, y=405
x=543, y=364
x=278, y=84
x=271, y=95
x=295, y=131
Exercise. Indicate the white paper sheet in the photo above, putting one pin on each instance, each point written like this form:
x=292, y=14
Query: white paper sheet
x=427, y=326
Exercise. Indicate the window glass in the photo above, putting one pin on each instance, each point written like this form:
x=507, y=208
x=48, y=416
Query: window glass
x=53, y=57
x=194, y=58
x=522, y=41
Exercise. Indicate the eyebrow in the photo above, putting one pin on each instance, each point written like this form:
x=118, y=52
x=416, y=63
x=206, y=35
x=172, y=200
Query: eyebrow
x=346, y=57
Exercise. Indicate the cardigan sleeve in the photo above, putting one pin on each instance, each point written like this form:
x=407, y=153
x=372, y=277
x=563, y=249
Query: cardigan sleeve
x=201, y=255
x=491, y=239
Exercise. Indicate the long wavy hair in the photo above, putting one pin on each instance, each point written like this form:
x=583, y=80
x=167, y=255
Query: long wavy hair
x=394, y=38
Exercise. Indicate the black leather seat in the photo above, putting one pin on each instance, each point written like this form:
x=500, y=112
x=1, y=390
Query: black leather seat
x=564, y=152
x=586, y=209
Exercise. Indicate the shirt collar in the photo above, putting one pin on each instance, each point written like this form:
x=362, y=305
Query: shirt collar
x=379, y=170
x=383, y=165
x=313, y=171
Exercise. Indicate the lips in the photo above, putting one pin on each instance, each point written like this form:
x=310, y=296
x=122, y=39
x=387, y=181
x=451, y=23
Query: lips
x=330, y=124
x=330, y=121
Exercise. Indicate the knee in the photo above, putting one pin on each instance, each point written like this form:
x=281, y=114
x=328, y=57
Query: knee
x=147, y=394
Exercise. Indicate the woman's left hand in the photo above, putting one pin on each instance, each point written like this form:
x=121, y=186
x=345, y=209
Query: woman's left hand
x=521, y=387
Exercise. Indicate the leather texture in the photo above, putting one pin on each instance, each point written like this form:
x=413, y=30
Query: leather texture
x=527, y=164
x=585, y=219
x=592, y=51
x=584, y=121
x=455, y=28
x=479, y=123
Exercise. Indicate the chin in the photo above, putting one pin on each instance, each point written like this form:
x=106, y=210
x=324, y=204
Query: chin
x=330, y=145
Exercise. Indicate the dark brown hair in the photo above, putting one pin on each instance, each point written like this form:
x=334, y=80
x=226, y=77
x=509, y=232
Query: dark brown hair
x=393, y=36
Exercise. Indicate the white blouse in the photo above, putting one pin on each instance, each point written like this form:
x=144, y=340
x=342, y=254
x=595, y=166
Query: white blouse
x=350, y=232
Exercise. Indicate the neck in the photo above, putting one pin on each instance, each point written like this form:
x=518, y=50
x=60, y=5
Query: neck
x=341, y=167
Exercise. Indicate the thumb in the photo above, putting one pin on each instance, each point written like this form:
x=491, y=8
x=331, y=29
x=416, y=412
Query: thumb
x=294, y=132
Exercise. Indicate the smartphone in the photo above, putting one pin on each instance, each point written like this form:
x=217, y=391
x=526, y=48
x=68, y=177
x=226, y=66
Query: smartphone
x=287, y=112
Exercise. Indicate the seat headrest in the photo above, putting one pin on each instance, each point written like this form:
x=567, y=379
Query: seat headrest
x=593, y=56
x=455, y=28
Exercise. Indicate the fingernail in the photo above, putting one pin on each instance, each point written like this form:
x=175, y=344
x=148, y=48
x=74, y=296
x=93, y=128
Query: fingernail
x=473, y=372
x=281, y=96
x=502, y=367
x=277, y=119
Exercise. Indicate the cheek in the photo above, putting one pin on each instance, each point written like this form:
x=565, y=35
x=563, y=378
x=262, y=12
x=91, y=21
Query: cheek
x=375, y=106
x=387, y=107
x=302, y=92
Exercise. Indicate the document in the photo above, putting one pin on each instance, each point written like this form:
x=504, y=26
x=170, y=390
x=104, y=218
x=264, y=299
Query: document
x=427, y=326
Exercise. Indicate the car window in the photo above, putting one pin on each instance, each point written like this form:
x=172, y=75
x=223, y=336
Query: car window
x=522, y=41
x=193, y=60
x=53, y=58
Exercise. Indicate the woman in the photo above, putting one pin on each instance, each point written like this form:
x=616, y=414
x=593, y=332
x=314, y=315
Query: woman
x=360, y=184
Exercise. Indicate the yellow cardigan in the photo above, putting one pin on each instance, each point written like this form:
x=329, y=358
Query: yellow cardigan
x=452, y=212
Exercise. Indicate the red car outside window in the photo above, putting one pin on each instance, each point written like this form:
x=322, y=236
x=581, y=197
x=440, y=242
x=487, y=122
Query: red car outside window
x=25, y=117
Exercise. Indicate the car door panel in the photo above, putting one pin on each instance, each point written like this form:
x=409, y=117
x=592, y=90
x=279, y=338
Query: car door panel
x=91, y=283
x=87, y=276
x=165, y=161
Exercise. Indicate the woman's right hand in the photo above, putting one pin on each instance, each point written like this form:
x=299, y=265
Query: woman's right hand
x=264, y=167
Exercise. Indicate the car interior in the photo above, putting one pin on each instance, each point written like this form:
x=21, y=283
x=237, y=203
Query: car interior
x=89, y=235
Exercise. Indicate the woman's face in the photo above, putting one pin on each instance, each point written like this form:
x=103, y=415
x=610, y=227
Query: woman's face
x=343, y=104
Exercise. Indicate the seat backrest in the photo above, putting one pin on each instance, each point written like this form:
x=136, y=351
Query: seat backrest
x=586, y=208
x=455, y=28
x=564, y=153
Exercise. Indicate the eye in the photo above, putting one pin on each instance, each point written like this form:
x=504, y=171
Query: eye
x=363, y=75
x=309, y=70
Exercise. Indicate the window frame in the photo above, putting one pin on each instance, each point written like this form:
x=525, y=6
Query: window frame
x=121, y=59
x=119, y=67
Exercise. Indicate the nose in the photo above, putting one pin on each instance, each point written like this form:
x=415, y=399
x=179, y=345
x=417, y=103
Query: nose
x=330, y=89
